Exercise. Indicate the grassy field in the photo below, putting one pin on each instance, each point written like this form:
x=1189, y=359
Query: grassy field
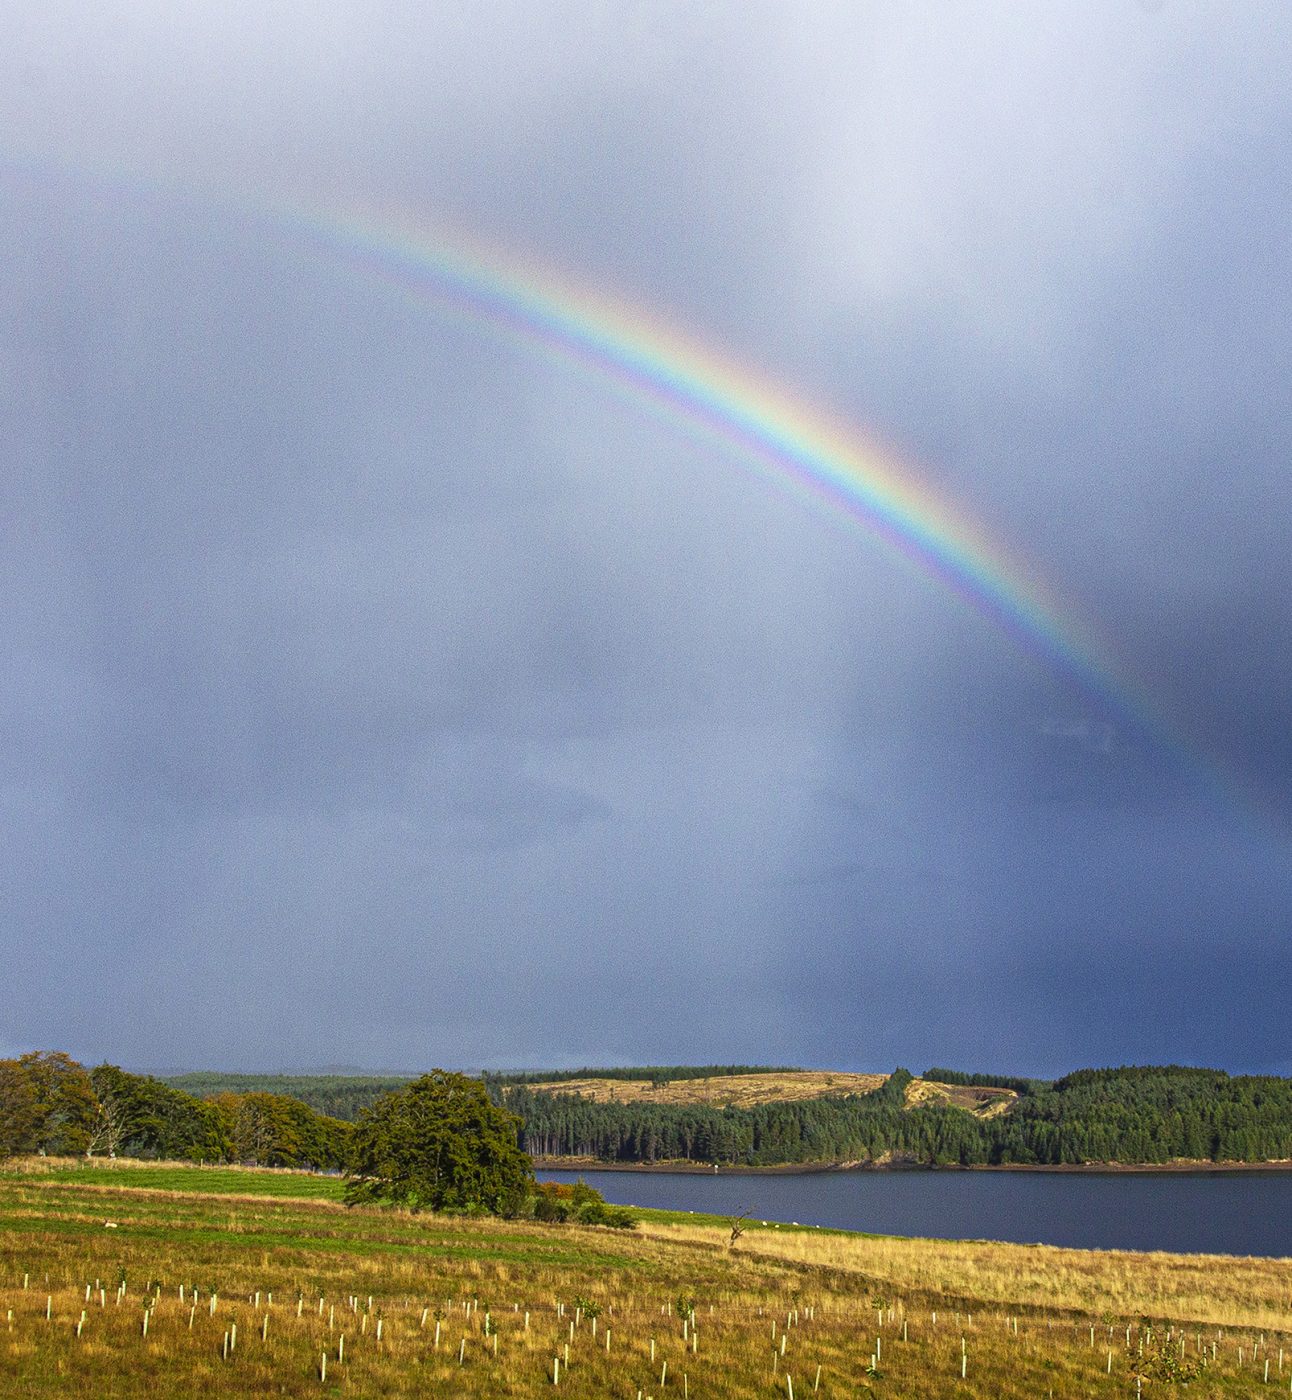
x=137, y=1281
x=776, y=1086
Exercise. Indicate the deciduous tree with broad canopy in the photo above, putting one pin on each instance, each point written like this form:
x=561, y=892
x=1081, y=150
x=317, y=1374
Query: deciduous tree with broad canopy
x=439, y=1143
x=47, y=1104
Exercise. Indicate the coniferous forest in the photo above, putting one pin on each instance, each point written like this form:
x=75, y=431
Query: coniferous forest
x=1129, y=1115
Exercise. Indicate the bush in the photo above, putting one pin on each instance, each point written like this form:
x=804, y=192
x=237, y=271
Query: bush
x=556, y=1202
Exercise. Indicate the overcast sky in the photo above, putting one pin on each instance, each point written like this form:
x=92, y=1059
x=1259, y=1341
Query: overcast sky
x=379, y=691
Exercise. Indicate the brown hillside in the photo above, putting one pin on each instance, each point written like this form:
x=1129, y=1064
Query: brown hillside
x=749, y=1090
x=978, y=1099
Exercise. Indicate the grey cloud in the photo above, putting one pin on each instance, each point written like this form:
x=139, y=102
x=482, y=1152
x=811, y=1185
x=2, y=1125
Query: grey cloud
x=340, y=636
x=1093, y=736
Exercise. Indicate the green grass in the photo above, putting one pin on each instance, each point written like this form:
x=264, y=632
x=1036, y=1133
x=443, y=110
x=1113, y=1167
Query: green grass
x=209, y=1181
x=296, y=1185
x=61, y=1203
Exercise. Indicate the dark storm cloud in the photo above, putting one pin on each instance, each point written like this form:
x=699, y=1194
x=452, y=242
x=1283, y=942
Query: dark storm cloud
x=379, y=692
x=1146, y=437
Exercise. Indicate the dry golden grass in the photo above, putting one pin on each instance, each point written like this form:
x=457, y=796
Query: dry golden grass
x=739, y=1090
x=978, y=1099
x=37, y=1165
x=1214, y=1289
x=750, y=1090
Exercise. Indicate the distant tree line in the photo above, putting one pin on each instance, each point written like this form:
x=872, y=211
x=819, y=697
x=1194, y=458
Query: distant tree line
x=1128, y=1115
x=341, y=1096
x=989, y=1081
x=51, y=1104
x=1155, y=1114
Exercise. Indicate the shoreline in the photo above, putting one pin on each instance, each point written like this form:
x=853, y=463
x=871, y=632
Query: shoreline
x=688, y=1168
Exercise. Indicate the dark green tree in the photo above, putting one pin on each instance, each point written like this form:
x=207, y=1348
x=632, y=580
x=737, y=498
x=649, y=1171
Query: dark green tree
x=439, y=1143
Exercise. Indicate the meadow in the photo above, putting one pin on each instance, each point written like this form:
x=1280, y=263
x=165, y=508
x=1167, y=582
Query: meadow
x=141, y=1280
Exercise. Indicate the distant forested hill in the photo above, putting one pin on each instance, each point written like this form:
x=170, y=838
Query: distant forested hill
x=344, y=1096
x=337, y=1096
x=1128, y=1115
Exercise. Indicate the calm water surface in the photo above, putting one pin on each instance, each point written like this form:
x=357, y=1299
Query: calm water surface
x=1184, y=1212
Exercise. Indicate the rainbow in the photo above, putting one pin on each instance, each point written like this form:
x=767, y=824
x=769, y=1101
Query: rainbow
x=794, y=446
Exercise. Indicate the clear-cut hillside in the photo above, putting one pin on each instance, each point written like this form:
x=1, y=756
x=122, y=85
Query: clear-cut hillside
x=779, y=1086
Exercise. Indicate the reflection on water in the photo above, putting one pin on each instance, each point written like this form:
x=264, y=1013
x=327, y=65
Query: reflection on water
x=1184, y=1212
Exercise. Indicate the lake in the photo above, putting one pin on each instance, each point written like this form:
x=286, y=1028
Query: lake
x=1183, y=1212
